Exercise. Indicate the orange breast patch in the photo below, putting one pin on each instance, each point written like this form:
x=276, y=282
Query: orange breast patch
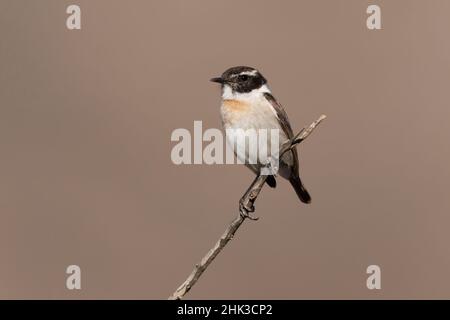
x=235, y=105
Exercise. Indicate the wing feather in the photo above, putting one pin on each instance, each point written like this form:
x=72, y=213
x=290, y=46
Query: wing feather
x=281, y=114
x=286, y=127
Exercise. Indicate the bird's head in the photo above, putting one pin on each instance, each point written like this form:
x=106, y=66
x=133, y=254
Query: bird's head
x=241, y=80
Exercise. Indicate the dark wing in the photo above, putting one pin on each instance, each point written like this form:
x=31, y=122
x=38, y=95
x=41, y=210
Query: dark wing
x=291, y=157
x=282, y=115
x=286, y=126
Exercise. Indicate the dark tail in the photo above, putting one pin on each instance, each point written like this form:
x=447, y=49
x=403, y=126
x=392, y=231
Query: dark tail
x=302, y=194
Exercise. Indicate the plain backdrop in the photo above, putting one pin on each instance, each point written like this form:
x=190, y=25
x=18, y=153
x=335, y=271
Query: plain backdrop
x=86, y=176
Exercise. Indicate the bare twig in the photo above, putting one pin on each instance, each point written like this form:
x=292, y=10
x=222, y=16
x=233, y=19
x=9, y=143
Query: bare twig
x=246, y=206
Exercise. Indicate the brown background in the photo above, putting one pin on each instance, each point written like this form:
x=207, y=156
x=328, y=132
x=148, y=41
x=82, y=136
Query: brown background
x=86, y=176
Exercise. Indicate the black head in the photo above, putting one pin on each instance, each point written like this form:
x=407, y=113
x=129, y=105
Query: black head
x=241, y=79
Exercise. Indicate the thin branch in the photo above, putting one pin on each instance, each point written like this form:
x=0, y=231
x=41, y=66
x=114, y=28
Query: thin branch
x=246, y=206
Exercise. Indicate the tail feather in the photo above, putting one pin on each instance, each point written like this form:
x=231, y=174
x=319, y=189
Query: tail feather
x=302, y=193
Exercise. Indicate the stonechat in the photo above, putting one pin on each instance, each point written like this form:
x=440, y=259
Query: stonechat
x=247, y=103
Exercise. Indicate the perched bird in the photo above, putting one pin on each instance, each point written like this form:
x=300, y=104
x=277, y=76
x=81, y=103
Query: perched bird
x=247, y=103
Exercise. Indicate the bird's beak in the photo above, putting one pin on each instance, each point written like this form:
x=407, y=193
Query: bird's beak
x=218, y=80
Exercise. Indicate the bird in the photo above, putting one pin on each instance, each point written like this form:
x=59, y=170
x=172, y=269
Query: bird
x=247, y=103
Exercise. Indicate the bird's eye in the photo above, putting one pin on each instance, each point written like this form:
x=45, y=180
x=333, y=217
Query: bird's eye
x=243, y=77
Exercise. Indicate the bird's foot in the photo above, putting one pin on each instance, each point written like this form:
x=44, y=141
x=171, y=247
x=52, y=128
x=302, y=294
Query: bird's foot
x=245, y=211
